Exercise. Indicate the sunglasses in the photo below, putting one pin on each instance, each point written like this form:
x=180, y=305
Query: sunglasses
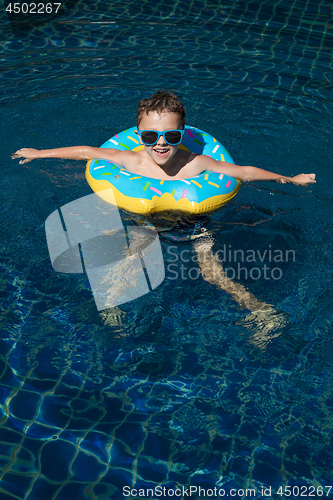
x=150, y=137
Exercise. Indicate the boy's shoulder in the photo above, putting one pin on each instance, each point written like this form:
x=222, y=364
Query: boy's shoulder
x=119, y=154
x=199, y=163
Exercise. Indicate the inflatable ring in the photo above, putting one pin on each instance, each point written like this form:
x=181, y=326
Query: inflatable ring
x=200, y=194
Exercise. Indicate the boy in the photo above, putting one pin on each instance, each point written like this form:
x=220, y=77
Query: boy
x=161, y=157
x=160, y=127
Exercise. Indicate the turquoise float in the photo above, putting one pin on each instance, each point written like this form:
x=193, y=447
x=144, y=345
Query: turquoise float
x=200, y=194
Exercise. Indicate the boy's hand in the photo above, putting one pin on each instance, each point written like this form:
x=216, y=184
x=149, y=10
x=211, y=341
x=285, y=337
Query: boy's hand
x=28, y=153
x=303, y=179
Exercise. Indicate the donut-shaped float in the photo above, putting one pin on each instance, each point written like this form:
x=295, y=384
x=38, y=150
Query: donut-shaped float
x=200, y=194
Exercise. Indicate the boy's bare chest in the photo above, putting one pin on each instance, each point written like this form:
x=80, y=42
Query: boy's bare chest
x=182, y=169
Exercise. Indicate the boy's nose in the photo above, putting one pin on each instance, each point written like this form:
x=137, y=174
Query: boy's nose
x=161, y=141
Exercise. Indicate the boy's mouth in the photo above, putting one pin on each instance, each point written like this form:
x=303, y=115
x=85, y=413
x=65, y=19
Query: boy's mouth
x=160, y=152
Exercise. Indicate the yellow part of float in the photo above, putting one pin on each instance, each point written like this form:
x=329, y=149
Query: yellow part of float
x=158, y=203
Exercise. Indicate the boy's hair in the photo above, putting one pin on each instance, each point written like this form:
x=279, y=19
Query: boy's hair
x=161, y=101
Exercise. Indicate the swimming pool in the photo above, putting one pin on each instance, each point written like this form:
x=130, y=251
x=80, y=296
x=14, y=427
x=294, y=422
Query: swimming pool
x=175, y=389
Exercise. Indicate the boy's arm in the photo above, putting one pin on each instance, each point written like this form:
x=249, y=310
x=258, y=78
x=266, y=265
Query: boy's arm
x=248, y=173
x=71, y=153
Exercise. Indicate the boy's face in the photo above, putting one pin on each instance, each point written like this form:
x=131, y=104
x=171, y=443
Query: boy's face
x=161, y=152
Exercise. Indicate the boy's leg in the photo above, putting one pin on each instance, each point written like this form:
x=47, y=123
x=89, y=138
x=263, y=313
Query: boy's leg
x=213, y=272
x=263, y=315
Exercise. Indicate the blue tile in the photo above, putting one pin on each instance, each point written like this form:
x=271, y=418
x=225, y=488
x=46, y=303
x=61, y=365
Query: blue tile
x=96, y=443
x=87, y=468
x=16, y=484
x=24, y=405
x=55, y=459
x=151, y=470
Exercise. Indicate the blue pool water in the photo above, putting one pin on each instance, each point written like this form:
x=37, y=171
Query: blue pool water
x=175, y=389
